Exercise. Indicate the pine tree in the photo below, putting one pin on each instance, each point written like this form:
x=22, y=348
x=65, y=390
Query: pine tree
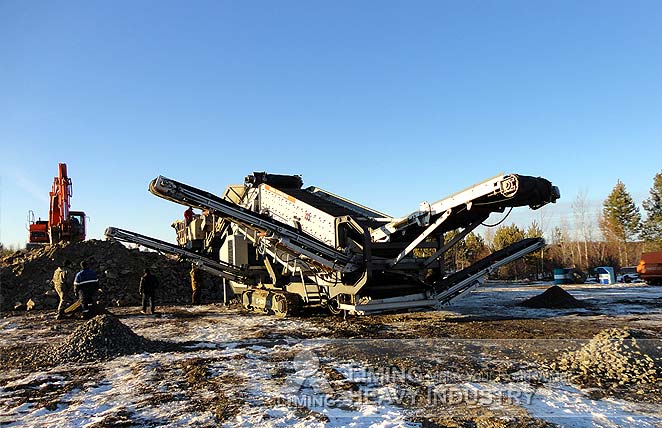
x=534, y=261
x=534, y=230
x=621, y=218
x=454, y=256
x=507, y=235
x=651, y=228
x=476, y=247
x=503, y=237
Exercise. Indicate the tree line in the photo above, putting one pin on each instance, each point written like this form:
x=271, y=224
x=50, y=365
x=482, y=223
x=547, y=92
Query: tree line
x=621, y=235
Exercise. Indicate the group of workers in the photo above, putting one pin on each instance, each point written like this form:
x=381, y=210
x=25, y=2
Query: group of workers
x=86, y=283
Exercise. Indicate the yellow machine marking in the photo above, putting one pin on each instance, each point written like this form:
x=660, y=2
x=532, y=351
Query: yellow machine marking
x=279, y=193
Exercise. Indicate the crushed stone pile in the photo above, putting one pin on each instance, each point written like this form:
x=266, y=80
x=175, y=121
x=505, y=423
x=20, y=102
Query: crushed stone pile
x=553, y=298
x=612, y=358
x=25, y=276
x=100, y=338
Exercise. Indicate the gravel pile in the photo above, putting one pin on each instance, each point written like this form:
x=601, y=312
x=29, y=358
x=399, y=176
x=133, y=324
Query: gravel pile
x=25, y=275
x=102, y=337
x=553, y=298
x=612, y=358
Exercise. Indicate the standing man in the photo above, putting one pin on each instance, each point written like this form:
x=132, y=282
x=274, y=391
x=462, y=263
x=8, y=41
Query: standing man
x=85, y=285
x=188, y=216
x=195, y=284
x=148, y=285
x=62, y=280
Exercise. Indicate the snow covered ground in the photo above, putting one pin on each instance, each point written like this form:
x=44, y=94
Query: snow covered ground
x=238, y=369
x=617, y=299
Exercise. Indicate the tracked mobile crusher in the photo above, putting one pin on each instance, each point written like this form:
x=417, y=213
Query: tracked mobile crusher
x=283, y=247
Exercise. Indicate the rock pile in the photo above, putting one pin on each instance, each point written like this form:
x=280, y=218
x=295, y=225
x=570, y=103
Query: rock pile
x=553, y=298
x=25, y=275
x=612, y=358
x=100, y=338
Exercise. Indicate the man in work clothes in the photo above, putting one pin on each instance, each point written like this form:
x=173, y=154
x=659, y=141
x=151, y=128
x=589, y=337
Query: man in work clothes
x=195, y=284
x=148, y=285
x=62, y=279
x=85, y=285
x=188, y=216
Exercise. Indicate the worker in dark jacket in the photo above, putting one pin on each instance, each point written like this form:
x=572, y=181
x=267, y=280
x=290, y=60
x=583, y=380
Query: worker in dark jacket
x=148, y=285
x=86, y=284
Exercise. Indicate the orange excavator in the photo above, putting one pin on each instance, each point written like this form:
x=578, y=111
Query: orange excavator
x=62, y=224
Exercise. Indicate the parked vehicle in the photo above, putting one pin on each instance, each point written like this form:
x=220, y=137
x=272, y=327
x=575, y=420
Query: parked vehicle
x=650, y=268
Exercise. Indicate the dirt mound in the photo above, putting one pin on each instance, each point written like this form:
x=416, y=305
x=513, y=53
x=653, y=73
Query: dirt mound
x=102, y=337
x=554, y=298
x=26, y=275
x=612, y=358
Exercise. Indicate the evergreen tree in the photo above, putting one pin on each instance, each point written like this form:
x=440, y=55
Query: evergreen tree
x=507, y=235
x=651, y=228
x=503, y=237
x=454, y=256
x=621, y=218
x=534, y=261
x=475, y=247
x=534, y=231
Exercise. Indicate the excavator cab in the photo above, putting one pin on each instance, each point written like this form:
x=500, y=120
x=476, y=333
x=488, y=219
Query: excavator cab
x=77, y=224
x=38, y=231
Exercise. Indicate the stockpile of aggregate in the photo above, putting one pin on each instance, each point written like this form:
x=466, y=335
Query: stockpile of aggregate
x=553, y=298
x=612, y=358
x=25, y=276
x=100, y=338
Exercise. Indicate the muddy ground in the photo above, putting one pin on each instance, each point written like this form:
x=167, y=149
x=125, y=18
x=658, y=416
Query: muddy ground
x=482, y=362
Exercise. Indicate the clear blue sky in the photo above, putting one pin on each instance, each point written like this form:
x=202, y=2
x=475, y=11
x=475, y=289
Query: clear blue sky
x=388, y=102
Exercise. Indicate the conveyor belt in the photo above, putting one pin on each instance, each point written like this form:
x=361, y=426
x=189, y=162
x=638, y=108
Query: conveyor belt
x=225, y=270
x=288, y=236
x=466, y=279
x=476, y=202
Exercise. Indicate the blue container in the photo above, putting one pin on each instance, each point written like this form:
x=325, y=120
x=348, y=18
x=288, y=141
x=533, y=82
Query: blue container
x=605, y=275
x=562, y=276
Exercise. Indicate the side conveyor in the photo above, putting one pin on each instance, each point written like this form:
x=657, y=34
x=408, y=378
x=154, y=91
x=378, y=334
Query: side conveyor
x=467, y=279
x=454, y=285
x=225, y=270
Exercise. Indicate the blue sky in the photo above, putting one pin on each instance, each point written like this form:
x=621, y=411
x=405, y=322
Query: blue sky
x=388, y=103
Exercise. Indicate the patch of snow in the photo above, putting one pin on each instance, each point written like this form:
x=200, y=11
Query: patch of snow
x=615, y=299
x=567, y=406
